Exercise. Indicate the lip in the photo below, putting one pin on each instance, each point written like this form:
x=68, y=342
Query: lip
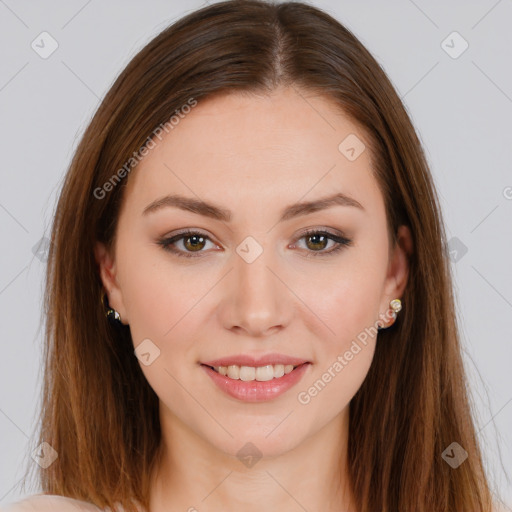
x=248, y=360
x=257, y=391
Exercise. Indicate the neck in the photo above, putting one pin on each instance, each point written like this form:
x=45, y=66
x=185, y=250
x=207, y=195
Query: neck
x=194, y=475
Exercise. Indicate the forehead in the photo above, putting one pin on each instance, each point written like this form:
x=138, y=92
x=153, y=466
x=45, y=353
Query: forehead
x=242, y=149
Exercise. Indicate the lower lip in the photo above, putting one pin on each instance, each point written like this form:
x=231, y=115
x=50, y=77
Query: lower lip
x=257, y=391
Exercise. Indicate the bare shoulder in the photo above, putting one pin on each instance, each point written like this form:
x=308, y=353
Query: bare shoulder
x=49, y=503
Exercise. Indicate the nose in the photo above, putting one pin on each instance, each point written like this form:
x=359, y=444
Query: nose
x=257, y=301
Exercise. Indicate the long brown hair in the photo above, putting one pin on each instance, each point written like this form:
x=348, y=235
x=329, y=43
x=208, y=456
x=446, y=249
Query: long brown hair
x=99, y=412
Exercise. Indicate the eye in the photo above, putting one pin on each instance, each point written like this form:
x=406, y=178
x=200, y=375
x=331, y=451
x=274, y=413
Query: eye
x=317, y=240
x=194, y=242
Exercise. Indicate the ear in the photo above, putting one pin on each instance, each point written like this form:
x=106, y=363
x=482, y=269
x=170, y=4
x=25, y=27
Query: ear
x=108, y=275
x=398, y=269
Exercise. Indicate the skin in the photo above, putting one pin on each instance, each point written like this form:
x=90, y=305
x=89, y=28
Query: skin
x=254, y=155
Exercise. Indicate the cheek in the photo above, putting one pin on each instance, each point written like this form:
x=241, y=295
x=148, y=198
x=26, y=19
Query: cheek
x=155, y=296
x=346, y=306
x=344, y=356
x=163, y=307
x=345, y=301
x=351, y=315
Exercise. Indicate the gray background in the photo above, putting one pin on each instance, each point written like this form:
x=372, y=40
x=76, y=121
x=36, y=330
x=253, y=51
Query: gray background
x=460, y=106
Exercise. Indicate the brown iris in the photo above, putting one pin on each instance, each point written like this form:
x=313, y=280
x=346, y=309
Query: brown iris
x=318, y=245
x=197, y=242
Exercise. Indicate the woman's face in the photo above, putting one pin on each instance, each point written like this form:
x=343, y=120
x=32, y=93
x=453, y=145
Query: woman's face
x=254, y=284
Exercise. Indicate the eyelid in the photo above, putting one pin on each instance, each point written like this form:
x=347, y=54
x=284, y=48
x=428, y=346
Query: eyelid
x=321, y=230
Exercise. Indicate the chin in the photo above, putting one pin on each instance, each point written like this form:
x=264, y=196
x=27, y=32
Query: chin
x=262, y=441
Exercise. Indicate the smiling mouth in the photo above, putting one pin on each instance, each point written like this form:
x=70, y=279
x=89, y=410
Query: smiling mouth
x=252, y=373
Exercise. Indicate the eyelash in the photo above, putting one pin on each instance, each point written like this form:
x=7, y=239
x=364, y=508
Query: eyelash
x=341, y=242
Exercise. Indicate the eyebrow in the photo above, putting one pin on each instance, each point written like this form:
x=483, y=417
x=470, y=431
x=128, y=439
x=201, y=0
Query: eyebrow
x=218, y=213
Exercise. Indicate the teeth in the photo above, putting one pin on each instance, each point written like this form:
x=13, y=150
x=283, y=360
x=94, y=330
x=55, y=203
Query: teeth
x=249, y=373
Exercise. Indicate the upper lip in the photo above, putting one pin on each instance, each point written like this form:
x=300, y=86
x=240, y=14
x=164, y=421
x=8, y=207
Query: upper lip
x=248, y=360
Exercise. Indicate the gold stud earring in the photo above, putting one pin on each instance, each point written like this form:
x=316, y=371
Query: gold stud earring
x=110, y=313
x=395, y=306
